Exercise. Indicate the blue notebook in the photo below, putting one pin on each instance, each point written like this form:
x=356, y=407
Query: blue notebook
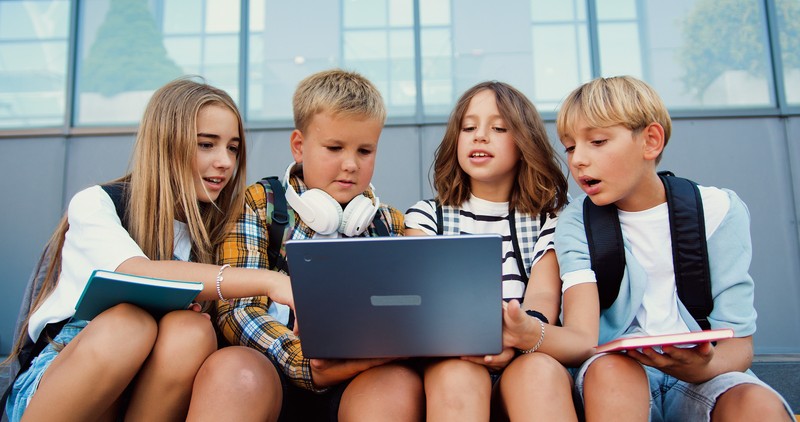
x=157, y=296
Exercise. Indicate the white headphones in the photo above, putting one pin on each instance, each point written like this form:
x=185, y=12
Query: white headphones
x=325, y=216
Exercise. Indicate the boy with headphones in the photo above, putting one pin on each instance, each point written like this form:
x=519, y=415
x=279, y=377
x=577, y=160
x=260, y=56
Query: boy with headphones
x=339, y=116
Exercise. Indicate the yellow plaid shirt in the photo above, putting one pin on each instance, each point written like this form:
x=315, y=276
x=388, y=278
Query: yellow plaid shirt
x=247, y=321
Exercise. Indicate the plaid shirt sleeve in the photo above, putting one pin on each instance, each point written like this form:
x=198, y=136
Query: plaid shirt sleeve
x=246, y=321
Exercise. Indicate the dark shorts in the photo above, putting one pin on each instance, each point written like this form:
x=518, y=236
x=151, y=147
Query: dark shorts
x=302, y=405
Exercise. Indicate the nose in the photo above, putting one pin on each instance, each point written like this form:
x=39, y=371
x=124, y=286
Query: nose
x=224, y=159
x=578, y=157
x=349, y=164
x=480, y=134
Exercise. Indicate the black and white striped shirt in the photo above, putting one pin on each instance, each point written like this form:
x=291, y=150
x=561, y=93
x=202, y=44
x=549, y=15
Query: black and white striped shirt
x=478, y=216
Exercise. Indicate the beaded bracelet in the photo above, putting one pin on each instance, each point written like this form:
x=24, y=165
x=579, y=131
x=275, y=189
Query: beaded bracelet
x=219, y=282
x=538, y=343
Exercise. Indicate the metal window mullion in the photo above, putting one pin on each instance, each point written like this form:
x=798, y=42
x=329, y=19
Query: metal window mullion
x=776, y=60
x=419, y=110
x=72, y=68
x=594, y=41
x=244, y=57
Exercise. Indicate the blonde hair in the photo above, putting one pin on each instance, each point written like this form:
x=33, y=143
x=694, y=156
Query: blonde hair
x=540, y=186
x=340, y=92
x=619, y=100
x=161, y=185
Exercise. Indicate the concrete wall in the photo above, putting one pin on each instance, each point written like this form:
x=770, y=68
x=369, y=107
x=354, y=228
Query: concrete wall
x=759, y=158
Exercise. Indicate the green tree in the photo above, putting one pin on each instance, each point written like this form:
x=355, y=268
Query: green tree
x=128, y=53
x=723, y=35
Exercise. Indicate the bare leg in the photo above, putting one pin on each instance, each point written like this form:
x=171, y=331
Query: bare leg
x=87, y=377
x=749, y=402
x=390, y=392
x=616, y=389
x=164, y=385
x=537, y=387
x=457, y=390
x=236, y=383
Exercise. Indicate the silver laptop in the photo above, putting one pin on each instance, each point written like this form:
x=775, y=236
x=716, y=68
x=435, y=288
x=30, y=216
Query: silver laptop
x=398, y=296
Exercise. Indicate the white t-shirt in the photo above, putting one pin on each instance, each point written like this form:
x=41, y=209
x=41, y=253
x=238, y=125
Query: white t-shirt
x=95, y=240
x=648, y=235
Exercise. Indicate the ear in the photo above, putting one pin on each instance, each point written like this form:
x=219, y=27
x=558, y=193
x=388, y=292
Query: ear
x=296, y=145
x=653, y=136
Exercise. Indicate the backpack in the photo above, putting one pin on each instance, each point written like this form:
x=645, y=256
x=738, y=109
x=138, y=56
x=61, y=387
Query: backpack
x=689, y=247
x=31, y=349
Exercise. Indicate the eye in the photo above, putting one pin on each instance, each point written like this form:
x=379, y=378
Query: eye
x=468, y=128
x=598, y=142
x=205, y=145
x=334, y=148
x=234, y=149
x=570, y=149
x=364, y=151
x=500, y=129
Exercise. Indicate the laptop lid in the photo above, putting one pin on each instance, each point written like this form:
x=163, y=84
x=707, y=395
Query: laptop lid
x=398, y=296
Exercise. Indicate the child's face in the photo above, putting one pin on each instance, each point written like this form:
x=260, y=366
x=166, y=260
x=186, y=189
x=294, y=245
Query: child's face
x=338, y=154
x=218, y=142
x=486, y=149
x=612, y=165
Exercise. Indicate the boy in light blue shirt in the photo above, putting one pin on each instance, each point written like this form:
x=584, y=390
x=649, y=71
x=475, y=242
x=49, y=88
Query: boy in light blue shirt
x=614, y=131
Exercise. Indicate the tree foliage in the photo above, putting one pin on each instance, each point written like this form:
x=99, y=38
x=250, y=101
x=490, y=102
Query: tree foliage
x=128, y=53
x=723, y=35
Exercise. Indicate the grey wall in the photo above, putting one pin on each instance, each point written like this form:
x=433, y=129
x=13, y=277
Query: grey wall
x=759, y=158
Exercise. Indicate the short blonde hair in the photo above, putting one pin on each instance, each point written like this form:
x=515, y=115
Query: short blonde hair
x=619, y=100
x=339, y=92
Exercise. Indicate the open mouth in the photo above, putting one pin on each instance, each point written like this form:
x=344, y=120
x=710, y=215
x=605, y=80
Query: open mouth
x=592, y=182
x=479, y=155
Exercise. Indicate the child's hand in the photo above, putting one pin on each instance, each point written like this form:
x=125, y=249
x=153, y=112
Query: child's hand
x=493, y=362
x=685, y=363
x=327, y=372
x=281, y=291
x=517, y=325
x=197, y=308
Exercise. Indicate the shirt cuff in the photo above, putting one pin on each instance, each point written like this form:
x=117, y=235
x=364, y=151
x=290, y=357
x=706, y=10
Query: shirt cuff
x=577, y=277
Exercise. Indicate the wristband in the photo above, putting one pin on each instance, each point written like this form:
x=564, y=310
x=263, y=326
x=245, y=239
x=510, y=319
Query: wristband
x=537, y=314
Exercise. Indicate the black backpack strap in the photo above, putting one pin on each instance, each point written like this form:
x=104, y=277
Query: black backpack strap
x=118, y=192
x=515, y=244
x=380, y=225
x=689, y=247
x=604, y=236
x=277, y=225
x=439, y=218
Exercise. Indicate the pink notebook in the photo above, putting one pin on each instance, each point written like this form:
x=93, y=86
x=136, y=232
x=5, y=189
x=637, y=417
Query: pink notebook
x=693, y=337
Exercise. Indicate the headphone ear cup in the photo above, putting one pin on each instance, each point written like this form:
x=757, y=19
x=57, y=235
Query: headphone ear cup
x=357, y=216
x=327, y=212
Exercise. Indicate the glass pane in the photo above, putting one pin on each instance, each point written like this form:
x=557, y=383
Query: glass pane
x=359, y=35
x=696, y=53
x=616, y=9
x=560, y=63
x=434, y=12
x=557, y=10
x=788, y=13
x=33, y=63
x=124, y=54
x=364, y=13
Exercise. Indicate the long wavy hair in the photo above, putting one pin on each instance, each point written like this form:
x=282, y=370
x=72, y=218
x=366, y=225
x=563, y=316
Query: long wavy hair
x=161, y=185
x=540, y=186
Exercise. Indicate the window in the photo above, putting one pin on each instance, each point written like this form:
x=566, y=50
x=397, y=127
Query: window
x=129, y=48
x=33, y=63
x=788, y=16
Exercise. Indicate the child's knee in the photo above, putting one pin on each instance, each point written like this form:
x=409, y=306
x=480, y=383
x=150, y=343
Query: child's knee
x=187, y=331
x=535, y=366
x=240, y=368
x=613, y=366
x=749, y=402
x=126, y=324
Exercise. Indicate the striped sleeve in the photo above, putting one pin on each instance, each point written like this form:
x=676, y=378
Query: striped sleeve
x=246, y=321
x=545, y=241
x=422, y=216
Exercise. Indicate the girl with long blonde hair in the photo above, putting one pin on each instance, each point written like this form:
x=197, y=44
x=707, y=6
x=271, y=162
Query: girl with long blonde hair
x=184, y=189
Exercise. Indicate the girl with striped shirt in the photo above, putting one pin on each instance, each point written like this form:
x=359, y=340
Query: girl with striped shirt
x=495, y=171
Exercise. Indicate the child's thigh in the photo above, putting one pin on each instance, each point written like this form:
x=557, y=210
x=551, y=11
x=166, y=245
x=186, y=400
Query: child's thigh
x=27, y=382
x=687, y=401
x=607, y=369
